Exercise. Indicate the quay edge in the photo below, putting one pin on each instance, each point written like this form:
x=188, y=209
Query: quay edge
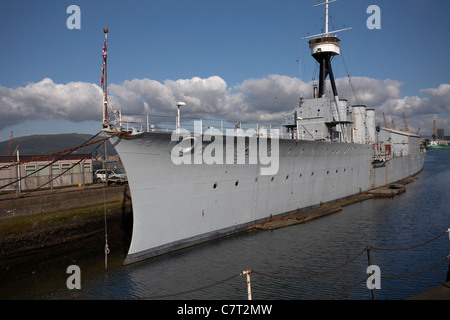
x=44, y=223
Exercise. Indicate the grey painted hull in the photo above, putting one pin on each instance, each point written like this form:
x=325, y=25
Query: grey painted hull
x=175, y=206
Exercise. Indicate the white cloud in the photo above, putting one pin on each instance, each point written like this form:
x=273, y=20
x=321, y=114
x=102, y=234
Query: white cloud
x=254, y=100
x=370, y=92
x=46, y=100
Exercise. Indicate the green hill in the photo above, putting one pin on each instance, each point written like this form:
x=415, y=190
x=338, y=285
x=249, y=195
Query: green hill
x=51, y=143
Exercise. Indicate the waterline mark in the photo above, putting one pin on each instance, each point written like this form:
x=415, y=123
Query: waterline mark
x=235, y=147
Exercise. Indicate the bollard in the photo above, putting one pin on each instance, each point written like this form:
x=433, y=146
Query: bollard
x=249, y=289
x=370, y=263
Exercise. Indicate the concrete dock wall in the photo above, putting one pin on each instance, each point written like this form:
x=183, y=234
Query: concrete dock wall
x=44, y=221
x=44, y=202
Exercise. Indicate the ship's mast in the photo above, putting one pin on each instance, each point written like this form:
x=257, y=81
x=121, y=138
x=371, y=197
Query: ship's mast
x=104, y=80
x=323, y=49
x=326, y=17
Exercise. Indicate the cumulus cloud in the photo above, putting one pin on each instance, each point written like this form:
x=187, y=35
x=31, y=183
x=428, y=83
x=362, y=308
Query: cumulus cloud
x=45, y=100
x=385, y=97
x=367, y=91
x=254, y=100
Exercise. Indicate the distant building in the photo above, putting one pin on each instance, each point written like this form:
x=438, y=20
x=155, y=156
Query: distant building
x=440, y=134
x=46, y=173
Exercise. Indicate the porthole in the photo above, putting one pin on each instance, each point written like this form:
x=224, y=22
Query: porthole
x=328, y=171
x=287, y=177
x=312, y=173
x=272, y=179
x=215, y=185
x=236, y=183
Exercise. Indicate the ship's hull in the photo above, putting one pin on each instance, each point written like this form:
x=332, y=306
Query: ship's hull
x=437, y=147
x=178, y=205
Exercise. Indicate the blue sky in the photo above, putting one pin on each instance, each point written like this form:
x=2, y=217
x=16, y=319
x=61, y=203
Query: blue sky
x=50, y=75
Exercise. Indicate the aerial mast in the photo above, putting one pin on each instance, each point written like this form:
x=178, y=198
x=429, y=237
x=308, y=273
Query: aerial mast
x=323, y=48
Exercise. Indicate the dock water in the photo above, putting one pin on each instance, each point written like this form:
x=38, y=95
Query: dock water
x=119, y=195
x=302, y=216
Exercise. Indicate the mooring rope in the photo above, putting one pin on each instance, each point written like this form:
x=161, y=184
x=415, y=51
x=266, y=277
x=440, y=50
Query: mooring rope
x=248, y=272
x=413, y=247
x=105, y=182
x=106, y=225
x=309, y=276
x=86, y=295
x=14, y=164
x=65, y=153
x=46, y=166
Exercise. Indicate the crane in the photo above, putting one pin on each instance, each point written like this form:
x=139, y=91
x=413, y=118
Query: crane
x=406, y=124
x=385, y=123
x=434, y=130
x=15, y=151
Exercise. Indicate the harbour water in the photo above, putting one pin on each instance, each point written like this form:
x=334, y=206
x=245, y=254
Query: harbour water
x=321, y=259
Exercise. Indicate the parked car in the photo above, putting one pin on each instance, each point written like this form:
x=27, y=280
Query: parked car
x=112, y=176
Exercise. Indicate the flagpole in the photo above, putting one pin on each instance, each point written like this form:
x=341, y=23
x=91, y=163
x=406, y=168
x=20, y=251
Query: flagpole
x=105, y=87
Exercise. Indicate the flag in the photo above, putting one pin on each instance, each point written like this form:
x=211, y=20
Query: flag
x=104, y=54
x=103, y=73
x=104, y=51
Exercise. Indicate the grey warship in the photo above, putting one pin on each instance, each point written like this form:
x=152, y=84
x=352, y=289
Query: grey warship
x=188, y=187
